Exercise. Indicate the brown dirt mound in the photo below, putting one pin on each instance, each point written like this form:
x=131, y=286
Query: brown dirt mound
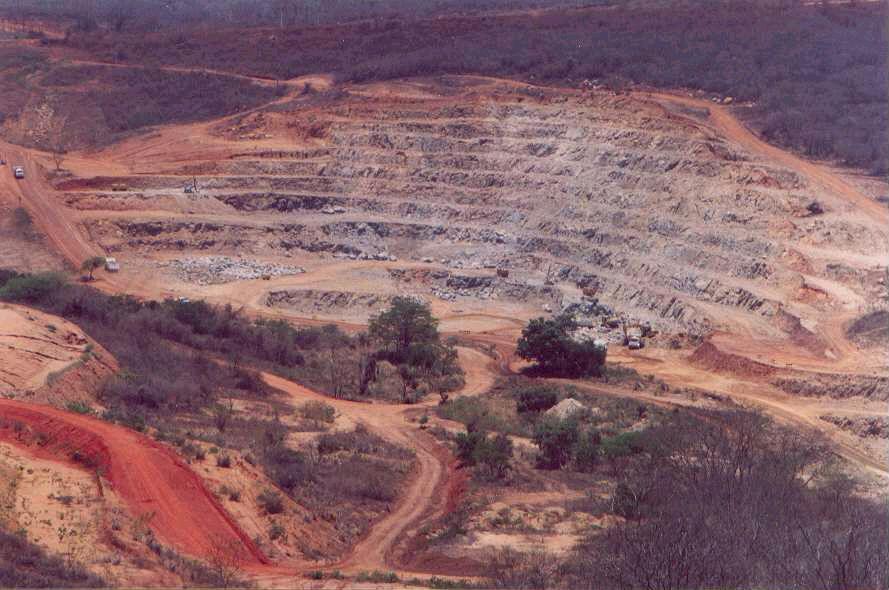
x=799, y=334
x=149, y=477
x=708, y=356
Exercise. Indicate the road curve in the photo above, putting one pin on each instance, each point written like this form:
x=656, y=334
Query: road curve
x=721, y=120
x=424, y=498
x=150, y=478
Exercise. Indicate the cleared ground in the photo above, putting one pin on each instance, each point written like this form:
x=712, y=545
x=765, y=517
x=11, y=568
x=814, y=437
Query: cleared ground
x=664, y=206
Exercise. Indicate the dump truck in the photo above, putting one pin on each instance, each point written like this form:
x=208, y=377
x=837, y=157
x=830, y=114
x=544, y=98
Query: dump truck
x=633, y=336
x=18, y=172
x=111, y=265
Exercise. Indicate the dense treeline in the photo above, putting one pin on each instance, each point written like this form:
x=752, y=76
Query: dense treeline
x=151, y=15
x=817, y=74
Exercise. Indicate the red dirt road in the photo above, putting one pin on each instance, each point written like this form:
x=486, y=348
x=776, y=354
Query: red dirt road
x=147, y=475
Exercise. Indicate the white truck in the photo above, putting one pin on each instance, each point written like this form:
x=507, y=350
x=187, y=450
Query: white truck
x=18, y=172
x=633, y=337
x=112, y=265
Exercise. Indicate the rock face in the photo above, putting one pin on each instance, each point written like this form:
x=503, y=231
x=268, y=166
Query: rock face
x=313, y=301
x=566, y=408
x=567, y=191
x=210, y=270
x=837, y=385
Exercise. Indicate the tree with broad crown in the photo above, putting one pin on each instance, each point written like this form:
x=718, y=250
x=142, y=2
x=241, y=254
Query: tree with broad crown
x=549, y=343
x=406, y=323
x=91, y=264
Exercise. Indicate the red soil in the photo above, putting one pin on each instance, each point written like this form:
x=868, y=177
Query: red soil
x=148, y=476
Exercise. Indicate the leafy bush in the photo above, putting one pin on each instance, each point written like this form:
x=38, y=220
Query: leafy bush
x=288, y=468
x=622, y=445
x=536, y=399
x=276, y=531
x=80, y=407
x=485, y=414
x=271, y=502
x=224, y=461
x=556, y=439
x=31, y=288
x=318, y=411
x=586, y=451
x=231, y=493
x=491, y=454
x=377, y=577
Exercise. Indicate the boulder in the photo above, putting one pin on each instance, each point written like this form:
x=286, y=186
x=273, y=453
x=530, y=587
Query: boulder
x=566, y=408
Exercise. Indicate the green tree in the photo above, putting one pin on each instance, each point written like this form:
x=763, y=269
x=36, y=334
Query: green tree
x=466, y=444
x=493, y=455
x=545, y=341
x=406, y=324
x=549, y=343
x=556, y=439
x=91, y=264
x=586, y=451
x=536, y=399
x=490, y=454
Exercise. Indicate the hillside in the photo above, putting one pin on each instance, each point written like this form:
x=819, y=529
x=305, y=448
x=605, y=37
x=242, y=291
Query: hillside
x=811, y=77
x=516, y=295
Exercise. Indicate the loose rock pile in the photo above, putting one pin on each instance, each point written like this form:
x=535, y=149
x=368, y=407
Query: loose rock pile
x=213, y=270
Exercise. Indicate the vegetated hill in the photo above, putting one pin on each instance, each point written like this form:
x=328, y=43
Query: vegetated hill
x=817, y=74
x=144, y=15
x=69, y=106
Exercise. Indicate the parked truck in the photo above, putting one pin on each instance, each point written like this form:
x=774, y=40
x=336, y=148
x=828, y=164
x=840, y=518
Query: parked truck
x=633, y=336
x=18, y=172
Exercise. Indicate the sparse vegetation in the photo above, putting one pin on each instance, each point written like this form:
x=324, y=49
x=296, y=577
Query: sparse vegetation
x=271, y=502
x=735, y=485
x=24, y=565
x=318, y=411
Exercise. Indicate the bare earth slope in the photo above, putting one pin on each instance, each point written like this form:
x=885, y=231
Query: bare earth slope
x=151, y=479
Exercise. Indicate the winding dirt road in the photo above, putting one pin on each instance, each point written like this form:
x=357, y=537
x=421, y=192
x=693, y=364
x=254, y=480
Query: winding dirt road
x=151, y=477
x=425, y=498
x=722, y=122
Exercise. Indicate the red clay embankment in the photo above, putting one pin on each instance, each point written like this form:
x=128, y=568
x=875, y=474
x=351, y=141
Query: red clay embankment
x=149, y=477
